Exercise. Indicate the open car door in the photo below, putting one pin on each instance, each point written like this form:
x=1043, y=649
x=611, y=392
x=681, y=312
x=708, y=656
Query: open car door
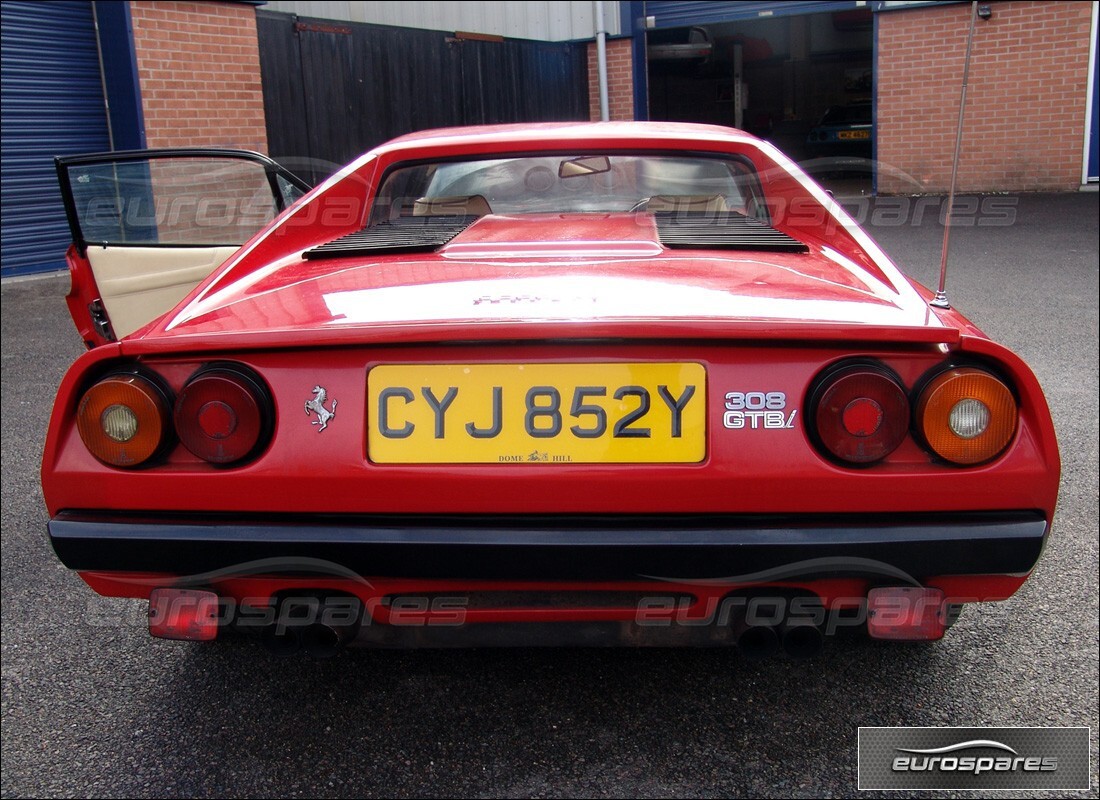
x=149, y=225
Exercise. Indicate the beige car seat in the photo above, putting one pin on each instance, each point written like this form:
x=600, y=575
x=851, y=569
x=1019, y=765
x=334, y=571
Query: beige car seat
x=473, y=205
x=711, y=204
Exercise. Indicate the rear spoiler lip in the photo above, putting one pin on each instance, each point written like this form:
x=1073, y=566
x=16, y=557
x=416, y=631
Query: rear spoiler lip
x=557, y=331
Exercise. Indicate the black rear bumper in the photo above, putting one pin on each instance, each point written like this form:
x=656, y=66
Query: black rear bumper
x=567, y=548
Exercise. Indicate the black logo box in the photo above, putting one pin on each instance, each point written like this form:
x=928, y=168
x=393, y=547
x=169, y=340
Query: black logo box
x=974, y=758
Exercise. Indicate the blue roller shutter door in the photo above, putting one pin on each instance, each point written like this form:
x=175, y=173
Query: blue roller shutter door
x=52, y=104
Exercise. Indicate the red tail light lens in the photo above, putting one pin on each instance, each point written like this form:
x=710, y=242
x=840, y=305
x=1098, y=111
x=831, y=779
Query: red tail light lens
x=223, y=415
x=123, y=420
x=860, y=414
x=967, y=415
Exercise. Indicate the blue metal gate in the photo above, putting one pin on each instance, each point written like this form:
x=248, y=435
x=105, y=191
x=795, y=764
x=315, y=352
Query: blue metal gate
x=51, y=96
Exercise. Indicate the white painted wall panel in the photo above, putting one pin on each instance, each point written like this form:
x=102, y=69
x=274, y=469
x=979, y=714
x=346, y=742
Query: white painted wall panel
x=546, y=20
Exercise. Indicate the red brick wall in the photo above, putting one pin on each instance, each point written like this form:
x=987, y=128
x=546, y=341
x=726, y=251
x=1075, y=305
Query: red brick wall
x=199, y=68
x=620, y=81
x=1025, y=109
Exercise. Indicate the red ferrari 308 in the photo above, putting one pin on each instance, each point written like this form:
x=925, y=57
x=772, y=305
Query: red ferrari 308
x=634, y=383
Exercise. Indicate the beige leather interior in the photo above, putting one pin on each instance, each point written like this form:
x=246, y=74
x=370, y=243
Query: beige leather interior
x=465, y=206
x=712, y=204
x=138, y=284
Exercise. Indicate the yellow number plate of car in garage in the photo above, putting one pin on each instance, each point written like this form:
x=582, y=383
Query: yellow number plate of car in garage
x=536, y=413
x=854, y=135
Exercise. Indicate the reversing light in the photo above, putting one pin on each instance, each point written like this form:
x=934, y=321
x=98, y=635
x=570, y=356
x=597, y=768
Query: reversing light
x=967, y=415
x=860, y=413
x=223, y=414
x=123, y=419
x=906, y=613
x=187, y=614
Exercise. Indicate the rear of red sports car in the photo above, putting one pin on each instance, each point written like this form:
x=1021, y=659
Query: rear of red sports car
x=617, y=383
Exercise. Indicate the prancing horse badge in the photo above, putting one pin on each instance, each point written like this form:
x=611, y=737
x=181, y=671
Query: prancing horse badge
x=317, y=406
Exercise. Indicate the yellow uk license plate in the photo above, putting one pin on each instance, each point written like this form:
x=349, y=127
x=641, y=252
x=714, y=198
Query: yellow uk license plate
x=853, y=135
x=537, y=413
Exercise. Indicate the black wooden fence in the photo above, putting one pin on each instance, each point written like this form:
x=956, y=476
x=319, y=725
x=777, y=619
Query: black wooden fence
x=333, y=89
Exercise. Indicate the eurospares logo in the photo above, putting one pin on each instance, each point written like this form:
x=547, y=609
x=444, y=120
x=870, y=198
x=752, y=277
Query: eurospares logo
x=950, y=759
x=974, y=758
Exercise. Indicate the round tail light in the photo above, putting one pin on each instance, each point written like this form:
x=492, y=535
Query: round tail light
x=967, y=415
x=860, y=414
x=123, y=420
x=223, y=415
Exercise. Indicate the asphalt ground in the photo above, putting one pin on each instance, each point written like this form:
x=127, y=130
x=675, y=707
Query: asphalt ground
x=92, y=706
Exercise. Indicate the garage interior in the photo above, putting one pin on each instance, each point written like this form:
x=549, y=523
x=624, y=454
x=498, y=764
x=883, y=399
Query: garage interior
x=774, y=77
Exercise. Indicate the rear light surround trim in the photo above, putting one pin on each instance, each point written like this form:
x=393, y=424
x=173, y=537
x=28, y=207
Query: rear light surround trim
x=158, y=402
x=842, y=445
x=935, y=381
x=257, y=424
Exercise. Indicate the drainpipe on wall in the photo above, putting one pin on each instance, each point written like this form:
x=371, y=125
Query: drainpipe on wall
x=103, y=77
x=601, y=60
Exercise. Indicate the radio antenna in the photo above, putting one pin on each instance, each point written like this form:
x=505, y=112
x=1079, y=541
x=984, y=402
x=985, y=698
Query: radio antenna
x=940, y=300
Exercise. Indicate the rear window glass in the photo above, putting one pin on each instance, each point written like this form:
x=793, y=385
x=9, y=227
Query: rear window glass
x=569, y=184
x=848, y=115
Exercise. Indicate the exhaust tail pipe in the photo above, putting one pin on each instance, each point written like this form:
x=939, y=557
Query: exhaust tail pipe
x=325, y=641
x=758, y=641
x=320, y=623
x=801, y=641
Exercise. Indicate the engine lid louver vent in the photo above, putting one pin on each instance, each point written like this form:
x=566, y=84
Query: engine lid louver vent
x=721, y=231
x=403, y=235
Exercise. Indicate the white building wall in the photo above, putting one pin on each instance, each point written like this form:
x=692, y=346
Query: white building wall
x=546, y=20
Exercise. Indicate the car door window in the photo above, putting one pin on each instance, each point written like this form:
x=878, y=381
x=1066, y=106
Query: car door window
x=149, y=226
x=177, y=201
